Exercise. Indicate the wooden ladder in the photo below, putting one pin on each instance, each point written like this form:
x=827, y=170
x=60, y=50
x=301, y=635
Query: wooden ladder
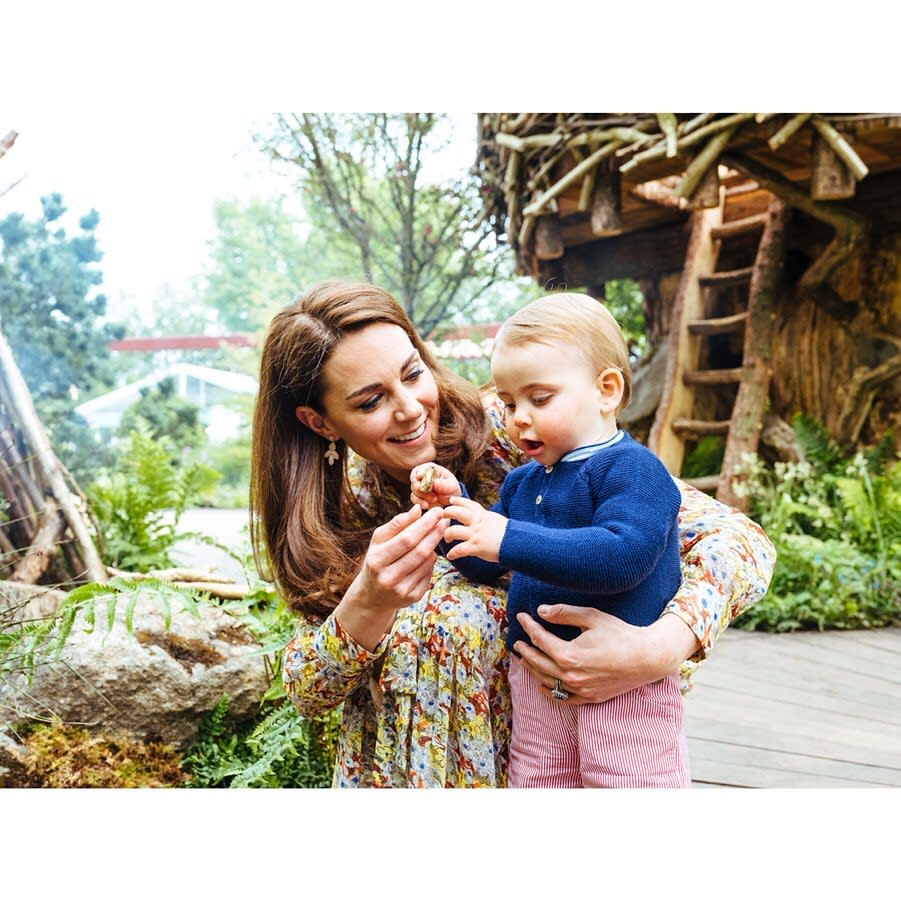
x=695, y=321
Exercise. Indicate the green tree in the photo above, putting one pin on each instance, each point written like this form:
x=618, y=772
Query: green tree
x=259, y=259
x=52, y=314
x=164, y=414
x=54, y=318
x=364, y=184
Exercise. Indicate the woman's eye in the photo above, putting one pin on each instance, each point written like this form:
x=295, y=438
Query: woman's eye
x=371, y=404
x=413, y=375
x=541, y=399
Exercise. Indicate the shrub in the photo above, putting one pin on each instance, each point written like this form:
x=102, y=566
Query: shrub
x=836, y=524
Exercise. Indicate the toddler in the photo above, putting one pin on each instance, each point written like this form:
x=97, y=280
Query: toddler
x=591, y=521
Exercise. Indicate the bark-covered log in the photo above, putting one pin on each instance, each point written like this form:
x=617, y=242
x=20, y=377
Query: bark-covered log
x=765, y=293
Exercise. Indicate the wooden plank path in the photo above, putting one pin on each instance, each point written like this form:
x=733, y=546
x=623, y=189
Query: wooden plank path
x=800, y=710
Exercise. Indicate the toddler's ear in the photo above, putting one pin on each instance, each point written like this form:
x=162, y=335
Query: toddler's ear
x=610, y=385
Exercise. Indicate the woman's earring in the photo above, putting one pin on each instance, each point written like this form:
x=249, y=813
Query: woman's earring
x=332, y=453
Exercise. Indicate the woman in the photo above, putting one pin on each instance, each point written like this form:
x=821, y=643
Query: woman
x=350, y=401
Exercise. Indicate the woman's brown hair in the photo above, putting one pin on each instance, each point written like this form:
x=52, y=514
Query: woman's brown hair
x=298, y=534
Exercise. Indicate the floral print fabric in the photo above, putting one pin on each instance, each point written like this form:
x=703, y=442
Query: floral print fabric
x=430, y=706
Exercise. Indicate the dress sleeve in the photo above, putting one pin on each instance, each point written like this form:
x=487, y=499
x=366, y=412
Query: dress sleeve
x=727, y=563
x=323, y=664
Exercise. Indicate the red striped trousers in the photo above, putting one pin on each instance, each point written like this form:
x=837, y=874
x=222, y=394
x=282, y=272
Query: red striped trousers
x=636, y=740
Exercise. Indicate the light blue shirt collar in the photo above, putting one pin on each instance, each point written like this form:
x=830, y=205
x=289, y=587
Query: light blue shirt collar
x=589, y=450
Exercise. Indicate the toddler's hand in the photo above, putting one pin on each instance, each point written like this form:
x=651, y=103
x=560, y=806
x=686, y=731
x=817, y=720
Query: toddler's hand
x=478, y=530
x=432, y=485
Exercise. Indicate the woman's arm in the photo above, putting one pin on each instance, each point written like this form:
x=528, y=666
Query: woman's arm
x=325, y=662
x=609, y=657
x=727, y=563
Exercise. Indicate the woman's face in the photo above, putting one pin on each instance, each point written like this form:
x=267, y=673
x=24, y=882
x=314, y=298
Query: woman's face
x=381, y=399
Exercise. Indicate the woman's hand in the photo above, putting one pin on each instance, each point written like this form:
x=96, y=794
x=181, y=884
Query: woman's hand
x=609, y=658
x=396, y=573
x=432, y=485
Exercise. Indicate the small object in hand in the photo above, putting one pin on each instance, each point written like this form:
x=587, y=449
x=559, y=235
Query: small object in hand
x=557, y=692
x=427, y=478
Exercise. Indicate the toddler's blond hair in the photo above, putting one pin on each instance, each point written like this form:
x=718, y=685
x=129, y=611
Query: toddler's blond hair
x=572, y=320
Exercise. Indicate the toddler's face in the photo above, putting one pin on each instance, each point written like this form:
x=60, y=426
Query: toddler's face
x=552, y=399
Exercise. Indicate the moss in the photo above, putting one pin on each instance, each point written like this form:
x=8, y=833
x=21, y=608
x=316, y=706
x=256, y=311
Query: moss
x=187, y=651
x=58, y=756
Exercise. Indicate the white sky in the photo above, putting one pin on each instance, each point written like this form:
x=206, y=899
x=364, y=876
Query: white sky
x=144, y=111
x=153, y=176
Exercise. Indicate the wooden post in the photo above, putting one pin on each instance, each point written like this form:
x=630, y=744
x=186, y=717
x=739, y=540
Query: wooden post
x=763, y=297
x=677, y=401
x=548, y=238
x=707, y=194
x=606, y=205
x=830, y=178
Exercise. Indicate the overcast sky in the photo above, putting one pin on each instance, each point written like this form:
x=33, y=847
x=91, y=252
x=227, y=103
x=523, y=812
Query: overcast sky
x=153, y=177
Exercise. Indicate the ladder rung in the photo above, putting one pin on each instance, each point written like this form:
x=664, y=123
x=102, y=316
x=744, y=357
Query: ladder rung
x=739, y=227
x=700, y=427
x=717, y=326
x=712, y=376
x=704, y=483
x=725, y=279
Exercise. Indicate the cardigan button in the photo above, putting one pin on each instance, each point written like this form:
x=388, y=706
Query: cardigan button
x=538, y=499
x=548, y=468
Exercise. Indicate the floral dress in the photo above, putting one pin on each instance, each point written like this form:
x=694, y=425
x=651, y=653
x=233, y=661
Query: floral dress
x=430, y=706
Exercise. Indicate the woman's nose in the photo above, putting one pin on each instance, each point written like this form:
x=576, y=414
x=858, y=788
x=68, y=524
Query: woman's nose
x=408, y=407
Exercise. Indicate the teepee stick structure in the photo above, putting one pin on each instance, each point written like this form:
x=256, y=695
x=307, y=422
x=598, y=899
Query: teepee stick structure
x=45, y=511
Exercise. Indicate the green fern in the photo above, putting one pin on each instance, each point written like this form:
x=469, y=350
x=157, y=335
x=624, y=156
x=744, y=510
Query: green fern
x=819, y=447
x=138, y=506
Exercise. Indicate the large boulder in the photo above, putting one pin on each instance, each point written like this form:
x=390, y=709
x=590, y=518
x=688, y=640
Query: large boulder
x=150, y=683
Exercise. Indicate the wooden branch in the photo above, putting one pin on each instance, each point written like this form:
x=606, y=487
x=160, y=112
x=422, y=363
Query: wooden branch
x=841, y=147
x=573, y=175
x=668, y=123
x=787, y=130
x=702, y=162
x=842, y=220
x=47, y=463
x=8, y=142
x=707, y=194
x=657, y=192
x=216, y=586
x=836, y=252
x=37, y=558
x=11, y=185
x=688, y=141
x=585, y=194
x=865, y=384
x=830, y=178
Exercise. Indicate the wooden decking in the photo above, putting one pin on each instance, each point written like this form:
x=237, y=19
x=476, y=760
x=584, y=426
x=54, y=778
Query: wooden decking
x=798, y=710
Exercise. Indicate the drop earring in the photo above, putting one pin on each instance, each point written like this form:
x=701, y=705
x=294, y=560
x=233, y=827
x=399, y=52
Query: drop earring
x=331, y=453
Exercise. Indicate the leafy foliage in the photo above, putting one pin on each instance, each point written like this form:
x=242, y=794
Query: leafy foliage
x=282, y=750
x=836, y=525
x=51, y=313
x=165, y=415
x=139, y=504
x=365, y=183
x=54, y=318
